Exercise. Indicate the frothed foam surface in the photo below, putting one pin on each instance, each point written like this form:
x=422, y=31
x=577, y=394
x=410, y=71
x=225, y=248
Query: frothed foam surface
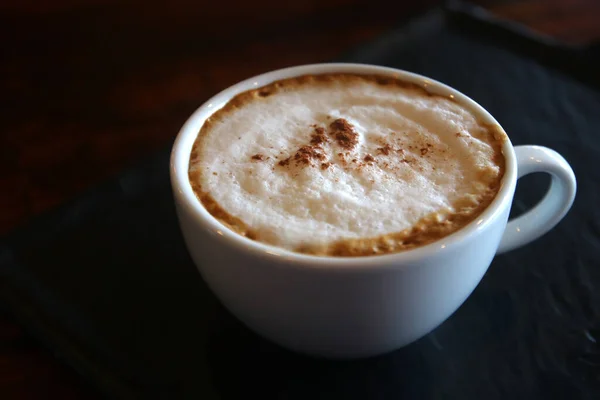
x=345, y=165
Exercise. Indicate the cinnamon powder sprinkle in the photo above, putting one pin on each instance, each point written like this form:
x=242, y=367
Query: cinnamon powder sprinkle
x=369, y=158
x=344, y=133
x=325, y=165
x=310, y=152
x=424, y=151
x=307, y=153
x=258, y=157
x=385, y=150
x=319, y=137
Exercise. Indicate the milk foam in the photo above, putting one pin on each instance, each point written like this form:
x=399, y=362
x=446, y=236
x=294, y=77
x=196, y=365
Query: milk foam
x=414, y=155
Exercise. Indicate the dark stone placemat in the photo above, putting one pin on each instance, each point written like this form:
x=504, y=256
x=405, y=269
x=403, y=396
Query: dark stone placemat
x=106, y=282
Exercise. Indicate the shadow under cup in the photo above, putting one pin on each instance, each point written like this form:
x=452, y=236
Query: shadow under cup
x=343, y=307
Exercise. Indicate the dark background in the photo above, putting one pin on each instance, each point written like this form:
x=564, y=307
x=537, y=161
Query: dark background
x=90, y=87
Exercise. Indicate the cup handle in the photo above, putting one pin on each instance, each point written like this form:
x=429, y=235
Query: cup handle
x=552, y=208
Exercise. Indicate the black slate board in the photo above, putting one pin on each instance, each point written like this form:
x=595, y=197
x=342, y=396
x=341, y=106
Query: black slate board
x=106, y=282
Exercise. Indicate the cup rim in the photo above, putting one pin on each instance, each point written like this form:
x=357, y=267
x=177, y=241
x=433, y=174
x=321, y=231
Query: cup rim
x=184, y=194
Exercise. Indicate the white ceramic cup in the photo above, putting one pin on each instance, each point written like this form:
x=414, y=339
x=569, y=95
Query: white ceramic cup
x=364, y=306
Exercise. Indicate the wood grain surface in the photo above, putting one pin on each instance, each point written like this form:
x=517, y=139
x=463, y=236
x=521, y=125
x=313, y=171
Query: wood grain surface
x=89, y=87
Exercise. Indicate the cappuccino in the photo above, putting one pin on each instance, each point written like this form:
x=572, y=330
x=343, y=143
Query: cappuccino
x=345, y=165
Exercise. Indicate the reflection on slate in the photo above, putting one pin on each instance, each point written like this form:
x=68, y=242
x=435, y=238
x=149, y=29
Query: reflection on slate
x=107, y=283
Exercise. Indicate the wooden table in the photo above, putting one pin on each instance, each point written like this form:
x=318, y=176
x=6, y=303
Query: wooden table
x=89, y=87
